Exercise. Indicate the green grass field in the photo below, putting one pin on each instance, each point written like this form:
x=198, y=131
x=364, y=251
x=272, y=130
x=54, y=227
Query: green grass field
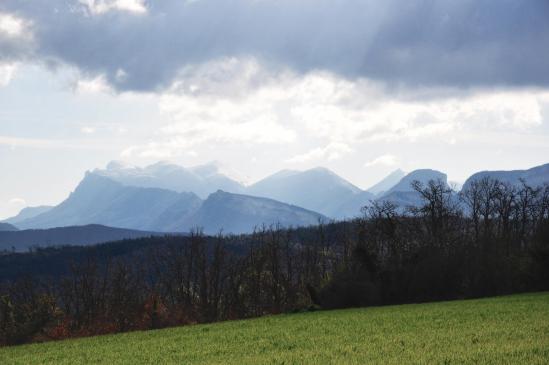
x=505, y=330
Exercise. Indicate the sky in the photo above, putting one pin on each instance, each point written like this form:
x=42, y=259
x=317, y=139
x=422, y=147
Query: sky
x=360, y=87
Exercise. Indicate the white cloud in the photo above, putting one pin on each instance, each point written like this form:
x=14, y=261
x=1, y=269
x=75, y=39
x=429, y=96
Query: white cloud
x=362, y=112
x=87, y=130
x=331, y=152
x=383, y=160
x=44, y=143
x=14, y=142
x=121, y=75
x=96, y=85
x=217, y=105
x=7, y=71
x=239, y=102
x=98, y=7
x=17, y=201
x=180, y=137
x=263, y=129
x=161, y=151
x=12, y=26
x=151, y=150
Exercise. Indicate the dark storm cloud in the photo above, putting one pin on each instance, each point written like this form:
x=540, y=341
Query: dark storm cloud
x=446, y=43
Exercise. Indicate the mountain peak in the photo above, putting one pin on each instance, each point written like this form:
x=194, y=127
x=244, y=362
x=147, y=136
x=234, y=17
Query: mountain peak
x=207, y=169
x=387, y=182
x=118, y=165
x=318, y=189
x=215, y=169
x=535, y=176
x=321, y=169
x=421, y=175
x=28, y=212
x=238, y=213
x=7, y=227
x=201, y=180
x=164, y=167
x=281, y=174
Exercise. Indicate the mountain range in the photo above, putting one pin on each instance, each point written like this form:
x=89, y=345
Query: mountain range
x=403, y=195
x=75, y=235
x=387, y=183
x=236, y=213
x=535, y=176
x=27, y=213
x=168, y=198
x=201, y=180
x=317, y=189
x=6, y=227
x=101, y=200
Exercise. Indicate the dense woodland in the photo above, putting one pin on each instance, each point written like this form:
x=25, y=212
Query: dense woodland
x=491, y=239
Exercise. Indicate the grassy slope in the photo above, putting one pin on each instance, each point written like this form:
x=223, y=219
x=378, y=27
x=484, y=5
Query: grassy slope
x=506, y=330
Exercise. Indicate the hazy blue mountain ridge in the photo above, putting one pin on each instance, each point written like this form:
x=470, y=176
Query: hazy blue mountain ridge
x=403, y=195
x=75, y=235
x=237, y=213
x=100, y=200
x=114, y=197
x=6, y=227
x=317, y=189
x=28, y=212
x=535, y=176
x=201, y=180
x=387, y=182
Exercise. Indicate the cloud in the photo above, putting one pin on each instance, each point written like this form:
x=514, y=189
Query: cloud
x=383, y=160
x=87, y=130
x=16, y=38
x=7, y=71
x=94, y=85
x=98, y=7
x=179, y=137
x=14, y=142
x=53, y=144
x=17, y=201
x=341, y=110
x=11, y=26
x=219, y=105
x=151, y=150
x=447, y=43
x=242, y=103
x=331, y=152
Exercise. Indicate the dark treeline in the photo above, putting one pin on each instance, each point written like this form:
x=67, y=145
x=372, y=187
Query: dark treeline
x=491, y=239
